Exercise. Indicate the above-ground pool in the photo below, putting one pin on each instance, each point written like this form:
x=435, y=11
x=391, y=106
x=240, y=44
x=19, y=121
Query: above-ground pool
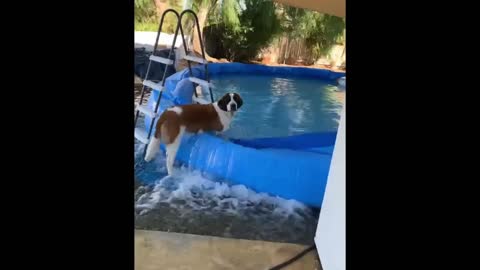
x=281, y=140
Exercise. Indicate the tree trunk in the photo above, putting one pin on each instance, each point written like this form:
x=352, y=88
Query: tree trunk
x=285, y=55
x=161, y=6
x=202, y=18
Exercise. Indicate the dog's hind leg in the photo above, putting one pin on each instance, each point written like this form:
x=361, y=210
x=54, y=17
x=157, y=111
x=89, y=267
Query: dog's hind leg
x=155, y=140
x=172, y=150
x=152, y=148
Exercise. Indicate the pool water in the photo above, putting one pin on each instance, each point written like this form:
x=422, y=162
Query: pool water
x=189, y=202
x=276, y=106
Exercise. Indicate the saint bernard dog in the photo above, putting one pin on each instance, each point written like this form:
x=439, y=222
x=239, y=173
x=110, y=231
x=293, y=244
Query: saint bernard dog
x=192, y=118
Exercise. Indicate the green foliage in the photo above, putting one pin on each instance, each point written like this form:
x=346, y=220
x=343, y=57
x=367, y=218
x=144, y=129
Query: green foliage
x=328, y=31
x=146, y=26
x=230, y=14
x=247, y=31
x=198, y=4
x=319, y=31
x=147, y=19
x=145, y=11
x=245, y=27
x=170, y=23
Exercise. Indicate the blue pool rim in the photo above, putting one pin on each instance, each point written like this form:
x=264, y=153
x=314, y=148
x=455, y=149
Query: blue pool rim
x=294, y=167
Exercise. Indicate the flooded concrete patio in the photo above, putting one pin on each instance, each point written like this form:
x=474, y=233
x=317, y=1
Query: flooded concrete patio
x=155, y=250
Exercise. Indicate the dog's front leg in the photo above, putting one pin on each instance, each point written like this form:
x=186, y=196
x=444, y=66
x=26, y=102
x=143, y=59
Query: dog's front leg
x=172, y=150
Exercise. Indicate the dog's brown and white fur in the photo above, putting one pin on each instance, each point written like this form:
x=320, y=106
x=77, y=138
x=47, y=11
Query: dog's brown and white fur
x=193, y=118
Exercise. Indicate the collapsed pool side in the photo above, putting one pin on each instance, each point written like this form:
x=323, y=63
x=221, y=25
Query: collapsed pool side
x=291, y=167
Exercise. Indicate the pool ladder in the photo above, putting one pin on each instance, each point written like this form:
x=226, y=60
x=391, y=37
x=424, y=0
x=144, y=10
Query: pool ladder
x=144, y=135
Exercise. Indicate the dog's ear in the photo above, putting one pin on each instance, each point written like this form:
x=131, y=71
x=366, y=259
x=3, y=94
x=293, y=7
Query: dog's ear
x=223, y=102
x=238, y=100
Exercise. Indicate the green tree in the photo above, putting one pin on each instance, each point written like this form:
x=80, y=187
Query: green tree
x=244, y=27
x=319, y=31
x=145, y=11
x=244, y=30
x=148, y=14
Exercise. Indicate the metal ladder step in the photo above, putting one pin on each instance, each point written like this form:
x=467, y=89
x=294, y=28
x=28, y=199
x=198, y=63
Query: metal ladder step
x=155, y=86
x=195, y=59
x=199, y=91
x=141, y=135
x=200, y=100
x=162, y=60
x=146, y=110
x=200, y=81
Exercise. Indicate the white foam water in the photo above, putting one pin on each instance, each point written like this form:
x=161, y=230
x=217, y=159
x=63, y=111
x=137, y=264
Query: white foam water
x=189, y=202
x=192, y=190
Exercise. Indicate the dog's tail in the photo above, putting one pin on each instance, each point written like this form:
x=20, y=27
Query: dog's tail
x=154, y=144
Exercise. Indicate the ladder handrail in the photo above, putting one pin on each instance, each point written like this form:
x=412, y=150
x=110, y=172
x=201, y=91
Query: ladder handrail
x=201, y=46
x=153, y=53
x=172, y=48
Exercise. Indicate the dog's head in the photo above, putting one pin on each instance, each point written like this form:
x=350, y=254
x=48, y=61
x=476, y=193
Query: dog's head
x=230, y=102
